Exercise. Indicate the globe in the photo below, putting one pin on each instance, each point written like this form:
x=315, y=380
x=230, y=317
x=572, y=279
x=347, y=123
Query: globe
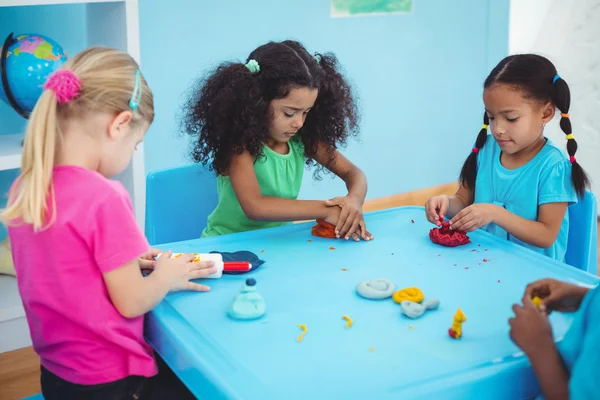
x=29, y=60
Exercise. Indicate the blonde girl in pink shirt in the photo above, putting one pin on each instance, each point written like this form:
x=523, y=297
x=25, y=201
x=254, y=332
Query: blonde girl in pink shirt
x=76, y=246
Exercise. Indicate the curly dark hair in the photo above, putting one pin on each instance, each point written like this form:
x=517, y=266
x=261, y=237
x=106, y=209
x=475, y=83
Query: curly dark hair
x=228, y=111
x=537, y=78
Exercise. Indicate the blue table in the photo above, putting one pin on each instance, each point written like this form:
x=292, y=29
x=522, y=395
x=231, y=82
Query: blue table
x=302, y=281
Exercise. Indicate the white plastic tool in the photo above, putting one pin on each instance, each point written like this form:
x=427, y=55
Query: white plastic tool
x=215, y=257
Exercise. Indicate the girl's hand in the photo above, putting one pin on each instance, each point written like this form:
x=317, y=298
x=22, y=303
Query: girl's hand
x=350, y=221
x=530, y=328
x=334, y=216
x=180, y=271
x=473, y=217
x=436, y=207
x=556, y=295
x=147, y=261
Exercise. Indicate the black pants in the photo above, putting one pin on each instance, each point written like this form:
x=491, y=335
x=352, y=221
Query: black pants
x=164, y=386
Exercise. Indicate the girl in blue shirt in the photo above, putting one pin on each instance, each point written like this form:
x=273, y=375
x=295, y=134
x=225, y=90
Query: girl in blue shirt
x=515, y=183
x=570, y=370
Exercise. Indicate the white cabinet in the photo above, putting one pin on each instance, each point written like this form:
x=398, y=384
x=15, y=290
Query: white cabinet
x=80, y=24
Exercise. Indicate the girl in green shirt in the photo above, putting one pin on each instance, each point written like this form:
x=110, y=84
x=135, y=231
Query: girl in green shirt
x=257, y=125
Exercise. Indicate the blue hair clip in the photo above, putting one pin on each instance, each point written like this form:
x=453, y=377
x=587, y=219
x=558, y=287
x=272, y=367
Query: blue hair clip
x=317, y=58
x=134, y=103
x=557, y=77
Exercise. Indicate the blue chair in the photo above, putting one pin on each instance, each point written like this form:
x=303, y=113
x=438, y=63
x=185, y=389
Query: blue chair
x=178, y=202
x=582, y=247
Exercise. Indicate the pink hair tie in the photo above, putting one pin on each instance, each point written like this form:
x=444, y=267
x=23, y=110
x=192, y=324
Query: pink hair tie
x=572, y=159
x=65, y=85
x=475, y=150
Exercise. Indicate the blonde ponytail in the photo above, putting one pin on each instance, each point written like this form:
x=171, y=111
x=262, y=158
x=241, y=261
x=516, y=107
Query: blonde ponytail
x=108, y=79
x=28, y=199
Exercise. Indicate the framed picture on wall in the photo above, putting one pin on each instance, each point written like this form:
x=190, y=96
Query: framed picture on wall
x=361, y=8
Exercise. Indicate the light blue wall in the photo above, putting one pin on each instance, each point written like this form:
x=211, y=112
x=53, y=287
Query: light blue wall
x=419, y=76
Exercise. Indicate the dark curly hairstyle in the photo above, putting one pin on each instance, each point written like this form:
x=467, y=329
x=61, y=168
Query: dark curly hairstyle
x=536, y=77
x=228, y=111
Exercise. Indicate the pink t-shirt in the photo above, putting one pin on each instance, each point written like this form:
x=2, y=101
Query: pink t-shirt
x=77, y=331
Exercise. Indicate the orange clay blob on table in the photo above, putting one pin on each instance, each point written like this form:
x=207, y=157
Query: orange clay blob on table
x=324, y=229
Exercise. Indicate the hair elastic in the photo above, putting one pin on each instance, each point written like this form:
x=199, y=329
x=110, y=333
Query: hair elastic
x=253, y=66
x=317, y=58
x=557, y=77
x=572, y=159
x=570, y=136
x=134, y=102
x=564, y=115
x=475, y=150
x=484, y=127
x=65, y=85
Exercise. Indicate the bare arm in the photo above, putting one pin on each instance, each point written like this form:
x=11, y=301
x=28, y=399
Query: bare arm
x=131, y=293
x=461, y=199
x=540, y=233
x=467, y=217
x=267, y=208
x=550, y=372
x=351, y=222
x=531, y=331
x=448, y=206
x=354, y=177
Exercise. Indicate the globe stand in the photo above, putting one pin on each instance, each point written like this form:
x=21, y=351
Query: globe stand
x=9, y=95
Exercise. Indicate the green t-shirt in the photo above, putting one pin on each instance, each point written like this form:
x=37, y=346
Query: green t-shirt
x=278, y=175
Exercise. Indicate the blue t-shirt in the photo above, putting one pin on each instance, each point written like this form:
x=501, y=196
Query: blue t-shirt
x=544, y=179
x=580, y=349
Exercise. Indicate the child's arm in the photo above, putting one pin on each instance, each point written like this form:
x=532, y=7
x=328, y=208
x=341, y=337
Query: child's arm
x=351, y=217
x=448, y=206
x=134, y=295
x=550, y=371
x=541, y=233
x=267, y=208
x=530, y=329
x=557, y=295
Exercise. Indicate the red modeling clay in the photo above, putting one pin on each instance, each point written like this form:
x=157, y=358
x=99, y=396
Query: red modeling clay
x=447, y=237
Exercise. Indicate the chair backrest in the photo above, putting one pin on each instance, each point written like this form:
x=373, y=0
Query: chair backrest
x=178, y=202
x=582, y=247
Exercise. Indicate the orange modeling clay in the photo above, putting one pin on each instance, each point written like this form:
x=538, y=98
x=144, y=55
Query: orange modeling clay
x=324, y=229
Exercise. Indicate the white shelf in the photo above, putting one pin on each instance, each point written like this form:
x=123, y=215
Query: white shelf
x=13, y=323
x=13, y=3
x=11, y=306
x=10, y=151
x=111, y=23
